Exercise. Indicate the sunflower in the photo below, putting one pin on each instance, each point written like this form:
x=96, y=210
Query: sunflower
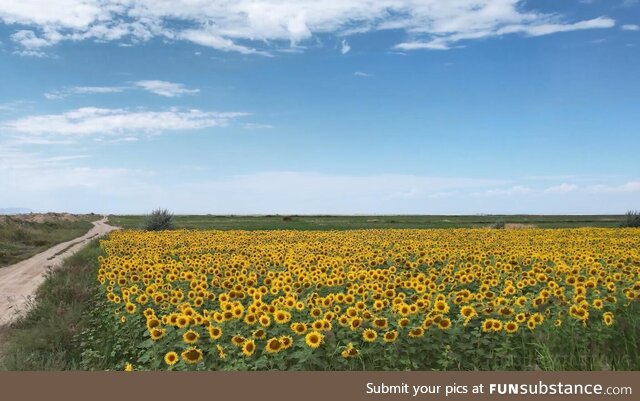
x=441, y=307
x=314, y=339
x=597, y=304
x=128, y=367
x=511, y=327
x=416, y=332
x=182, y=321
x=286, y=341
x=380, y=323
x=273, y=345
x=298, y=328
x=355, y=323
x=250, y=319
x=221, y=353
x=259, y=334
x=215, y=332
x=468, y=312
x=318, y=325
x=130, y=308
x=148, y=313
x=190, y=337
x=607, y=318
x=282, y=317
x=390, y=336
x=192, y=355
x=238, y=341
x=349, y=351
x=531, y=324
x=156, y=334
x=444, y=324
x=487, y=325
x=264, y=320
x=369, y=335
x=248, y=348
x=170, y=358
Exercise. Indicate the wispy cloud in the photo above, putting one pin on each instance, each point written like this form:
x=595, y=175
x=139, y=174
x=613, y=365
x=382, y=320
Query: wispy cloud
x=630, y=27
x=362, y=74
x=562, y=188
x=540, y=27
x=164, y=88
x=345, y=47
x=82, y=90
x=91, y=121
x=157, y=87
x=258, y=26
x=14, y=106
x=631, y=186
x=514, y=190
x=257, y=126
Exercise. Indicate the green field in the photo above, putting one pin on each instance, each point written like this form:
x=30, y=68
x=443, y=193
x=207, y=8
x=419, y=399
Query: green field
x=294, y=222
x=21, y=238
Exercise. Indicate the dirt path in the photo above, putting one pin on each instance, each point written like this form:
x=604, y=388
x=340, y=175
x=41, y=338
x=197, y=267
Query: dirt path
x=19, y=282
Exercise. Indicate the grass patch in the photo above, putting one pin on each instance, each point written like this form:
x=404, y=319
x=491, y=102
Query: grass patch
x=298, y=222
x=47, y=337
x=20, y=240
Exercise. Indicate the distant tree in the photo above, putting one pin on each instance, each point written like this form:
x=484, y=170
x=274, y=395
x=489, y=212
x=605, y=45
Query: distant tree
x=498, y=225
x=632, y=219
x=158, y=220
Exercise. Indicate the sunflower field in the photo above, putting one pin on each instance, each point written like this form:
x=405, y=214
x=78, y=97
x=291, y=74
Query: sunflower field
x=441, y=299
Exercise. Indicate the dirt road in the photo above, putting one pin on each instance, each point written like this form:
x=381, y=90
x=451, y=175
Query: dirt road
x=19, y=282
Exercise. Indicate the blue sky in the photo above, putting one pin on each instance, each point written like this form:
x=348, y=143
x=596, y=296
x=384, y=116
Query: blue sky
x=325, y=106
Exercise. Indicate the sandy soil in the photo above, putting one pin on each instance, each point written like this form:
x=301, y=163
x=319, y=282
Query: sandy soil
x=19, y=282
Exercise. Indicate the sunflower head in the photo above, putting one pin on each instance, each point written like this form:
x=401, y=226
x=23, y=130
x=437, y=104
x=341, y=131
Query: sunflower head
x=273, y=345
x=248, y=348
x=369, y=335
x=314, y=339
x=192, y=355
x=171, y=358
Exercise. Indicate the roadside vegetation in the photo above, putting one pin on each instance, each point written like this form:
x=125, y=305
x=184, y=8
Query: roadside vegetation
x=48, y=336
x=631, y=219
x=23, y=236
x=306, y=222
x=159, y=220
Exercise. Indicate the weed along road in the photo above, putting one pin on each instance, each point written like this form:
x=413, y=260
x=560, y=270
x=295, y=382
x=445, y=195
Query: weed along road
x=19, y=282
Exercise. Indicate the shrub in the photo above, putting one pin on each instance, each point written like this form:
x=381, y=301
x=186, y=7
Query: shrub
x=632, y=219
x=498, y=225
x=158, y=220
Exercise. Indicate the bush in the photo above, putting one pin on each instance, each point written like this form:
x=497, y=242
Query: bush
x=159, y=219
x=632, y=219
x=498, y=225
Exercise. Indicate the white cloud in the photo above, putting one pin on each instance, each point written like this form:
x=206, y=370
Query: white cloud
x=14, y=106
x=82, y=90
x=540, y=27
x=344, y=47
x=257, y=126
x=562, y=188
x=256, y=26
x=630, y=27
x=98, y=121
x=362, y=74
x=164, y=88
x=631, y=186
x=13, y=159
x=514, y=190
